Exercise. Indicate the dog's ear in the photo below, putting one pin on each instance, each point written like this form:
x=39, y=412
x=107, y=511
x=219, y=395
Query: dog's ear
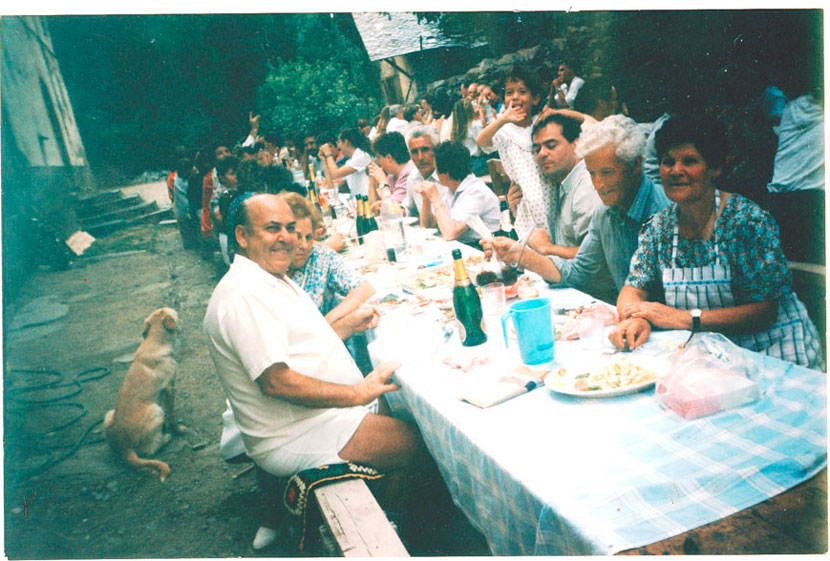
x=169, y=322
x=146, y=328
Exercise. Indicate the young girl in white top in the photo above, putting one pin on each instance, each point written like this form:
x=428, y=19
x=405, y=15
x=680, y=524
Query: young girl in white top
x=510, y=135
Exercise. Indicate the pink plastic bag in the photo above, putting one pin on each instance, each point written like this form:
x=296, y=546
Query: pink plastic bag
x=711, y=374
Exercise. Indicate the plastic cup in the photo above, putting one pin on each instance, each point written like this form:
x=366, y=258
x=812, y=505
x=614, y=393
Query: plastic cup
x=493, y=299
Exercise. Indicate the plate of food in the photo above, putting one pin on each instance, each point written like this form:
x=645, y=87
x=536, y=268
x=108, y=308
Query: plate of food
x=610, y=377
x=434, y=277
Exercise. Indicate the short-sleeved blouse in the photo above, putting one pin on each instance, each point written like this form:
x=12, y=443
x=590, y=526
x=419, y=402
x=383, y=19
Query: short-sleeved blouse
x=326, y=277
x=358, y=180
x=748, y=241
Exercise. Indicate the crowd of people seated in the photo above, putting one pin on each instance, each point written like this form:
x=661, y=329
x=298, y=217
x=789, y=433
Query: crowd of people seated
x=652, y=216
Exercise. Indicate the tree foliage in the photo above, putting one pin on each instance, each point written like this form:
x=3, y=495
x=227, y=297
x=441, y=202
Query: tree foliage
x=326, y=87
x=141, y=85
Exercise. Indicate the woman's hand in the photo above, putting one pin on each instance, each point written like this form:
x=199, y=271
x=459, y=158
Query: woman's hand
x=325, y=151
x=659, y=315
x=335, y=241
x=428, y=191
x=630, y=333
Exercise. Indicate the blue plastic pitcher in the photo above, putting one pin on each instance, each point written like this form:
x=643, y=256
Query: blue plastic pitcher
x=534, y=329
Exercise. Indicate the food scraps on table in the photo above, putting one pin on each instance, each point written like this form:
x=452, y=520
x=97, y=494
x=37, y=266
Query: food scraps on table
x=465, y=364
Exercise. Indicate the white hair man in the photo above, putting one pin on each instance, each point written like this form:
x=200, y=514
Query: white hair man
x=297, y=396
x=612, y=150
x=421, y=142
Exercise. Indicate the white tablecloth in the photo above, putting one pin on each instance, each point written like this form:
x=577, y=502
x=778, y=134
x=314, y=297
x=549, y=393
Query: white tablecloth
x=546, y=473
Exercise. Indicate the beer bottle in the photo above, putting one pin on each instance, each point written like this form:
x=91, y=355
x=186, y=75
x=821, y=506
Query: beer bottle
x=467, y=306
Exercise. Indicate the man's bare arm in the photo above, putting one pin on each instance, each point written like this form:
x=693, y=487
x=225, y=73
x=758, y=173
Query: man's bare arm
x=281, y=382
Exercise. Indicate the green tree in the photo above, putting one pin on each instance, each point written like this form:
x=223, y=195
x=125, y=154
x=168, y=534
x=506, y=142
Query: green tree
x=327, y=85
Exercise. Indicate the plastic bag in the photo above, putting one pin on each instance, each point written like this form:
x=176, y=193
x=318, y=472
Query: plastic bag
x=711, y=374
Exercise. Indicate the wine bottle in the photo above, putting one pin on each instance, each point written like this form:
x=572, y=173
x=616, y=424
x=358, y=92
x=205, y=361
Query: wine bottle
x=312, y=195
x=371, y=223
x=360, y=224
x=467, y=305
x=506, y=228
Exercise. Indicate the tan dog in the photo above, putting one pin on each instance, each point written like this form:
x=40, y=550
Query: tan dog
x=143, y=420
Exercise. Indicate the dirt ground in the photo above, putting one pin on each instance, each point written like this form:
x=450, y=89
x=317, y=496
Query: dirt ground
x=91, y=505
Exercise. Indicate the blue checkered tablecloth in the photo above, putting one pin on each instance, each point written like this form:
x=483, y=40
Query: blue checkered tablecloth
x=549, y=474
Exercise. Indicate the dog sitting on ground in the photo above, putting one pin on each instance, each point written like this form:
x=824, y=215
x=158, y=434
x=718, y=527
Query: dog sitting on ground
x=143, y=419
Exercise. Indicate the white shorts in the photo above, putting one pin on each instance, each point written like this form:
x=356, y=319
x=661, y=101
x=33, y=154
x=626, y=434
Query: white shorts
x=316, y=448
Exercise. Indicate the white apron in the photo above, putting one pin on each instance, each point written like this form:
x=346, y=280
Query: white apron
x=792, y=337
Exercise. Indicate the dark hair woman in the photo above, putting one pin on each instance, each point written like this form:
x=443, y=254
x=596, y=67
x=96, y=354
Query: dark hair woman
x=711, y=261
x=356, y=148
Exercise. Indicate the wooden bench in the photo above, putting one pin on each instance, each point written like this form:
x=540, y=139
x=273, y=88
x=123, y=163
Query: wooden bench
x=357, y=523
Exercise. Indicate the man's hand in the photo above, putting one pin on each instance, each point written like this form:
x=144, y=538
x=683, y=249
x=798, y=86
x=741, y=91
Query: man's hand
x=253, y=121
x=376, y=383
x=501, y=246
x=376, y=172
x=514, y=197
x=659, y=315
x=631, y=332
x=539, y=240
x=365, y=317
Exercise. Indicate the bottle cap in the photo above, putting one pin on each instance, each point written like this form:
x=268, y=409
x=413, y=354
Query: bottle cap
x=456, y=254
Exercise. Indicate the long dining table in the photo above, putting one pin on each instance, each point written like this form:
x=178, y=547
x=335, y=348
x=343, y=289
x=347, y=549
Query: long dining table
x=551, y=474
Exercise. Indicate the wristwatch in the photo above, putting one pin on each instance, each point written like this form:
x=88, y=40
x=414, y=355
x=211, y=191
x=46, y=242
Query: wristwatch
x=695, y=313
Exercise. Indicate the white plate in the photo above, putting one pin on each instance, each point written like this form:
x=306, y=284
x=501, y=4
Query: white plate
x=409, y=220
x=566, y=390
x=564, y=384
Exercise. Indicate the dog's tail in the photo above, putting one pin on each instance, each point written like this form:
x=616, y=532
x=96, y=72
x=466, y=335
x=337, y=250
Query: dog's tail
x=132, y=458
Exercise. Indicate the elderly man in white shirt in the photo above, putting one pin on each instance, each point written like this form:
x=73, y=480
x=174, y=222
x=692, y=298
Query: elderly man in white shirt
x=297, y=396
x=470, y=196
x=421, y=142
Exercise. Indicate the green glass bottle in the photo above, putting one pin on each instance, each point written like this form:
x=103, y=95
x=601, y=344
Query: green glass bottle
x=467, y=305
x=371, y=223
x=360, y=224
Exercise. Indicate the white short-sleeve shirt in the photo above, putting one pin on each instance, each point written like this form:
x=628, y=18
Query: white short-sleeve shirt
x=474, y=198
x=358, y=181
x=255, y=320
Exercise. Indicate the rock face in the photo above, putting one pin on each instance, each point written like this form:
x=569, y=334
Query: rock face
x=543, y=58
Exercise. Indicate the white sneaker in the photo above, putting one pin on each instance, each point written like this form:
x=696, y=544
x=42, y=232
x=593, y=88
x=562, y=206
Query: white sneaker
x=264, y=537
